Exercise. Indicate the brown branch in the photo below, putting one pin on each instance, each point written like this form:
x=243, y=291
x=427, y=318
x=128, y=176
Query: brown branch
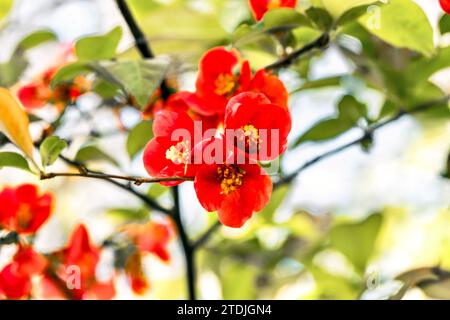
x=367, y=135
x=100, y=175
x=320, y=43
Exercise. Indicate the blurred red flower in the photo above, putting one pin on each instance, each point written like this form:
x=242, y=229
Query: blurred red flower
x=23, y=209
x=260, y=7
x=15, y=278
x=76, y=275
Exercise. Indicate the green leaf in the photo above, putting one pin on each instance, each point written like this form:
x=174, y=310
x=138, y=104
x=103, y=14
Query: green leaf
x=352, y=14
x=156, y=190
x=51, y=149
x=284, y=19
x=338, y=8
x=105, y=89
x=444, y=24
x=401, y=23
x=275, y=201
x=351, y=110
x=37, y=38
x=325, y=130
x=356, y=240
x=128, y=214
x=138, y=137
x=243, y=274
x=70, y=72
x=320, y=83
x=320, y=17
x=12, y=70
x=139, y=78
x=101, y=47
x=13, y=160
x=93, y=153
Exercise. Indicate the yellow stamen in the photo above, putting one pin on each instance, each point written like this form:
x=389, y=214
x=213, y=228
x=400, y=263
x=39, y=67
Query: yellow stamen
x=225, y=84
x=273, y=4
x=251, y=135
x=230, y=177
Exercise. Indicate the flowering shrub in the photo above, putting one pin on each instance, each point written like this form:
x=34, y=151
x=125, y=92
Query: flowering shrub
x=223, y=133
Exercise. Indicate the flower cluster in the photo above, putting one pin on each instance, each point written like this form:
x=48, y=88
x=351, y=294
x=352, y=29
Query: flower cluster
x=40, y=92
x=219, y=134
x=71, y=272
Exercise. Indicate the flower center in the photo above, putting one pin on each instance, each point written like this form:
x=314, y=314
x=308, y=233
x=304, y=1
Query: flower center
x=24, y=216
x=225, y=84
x=230, y=177
x=273, y=4
x=179, y=153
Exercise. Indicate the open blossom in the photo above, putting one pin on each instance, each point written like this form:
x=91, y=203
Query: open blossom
x=256, y=126
x=169, y=153
x=77, y=271
x=445, y=4
x=260, y=7
x=232, y=189
x=15, y=278
x=23, y=209
x=223, y=74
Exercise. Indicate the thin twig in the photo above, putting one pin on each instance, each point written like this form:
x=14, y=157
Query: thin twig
x=320, y=43
x=367, y=135
x=203, y=239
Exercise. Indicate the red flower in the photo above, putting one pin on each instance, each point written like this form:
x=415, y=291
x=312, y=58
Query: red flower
x=23, y=210
x=152, y=237
x=217, y=80
x=168, y=154
x=257, y=127
x=77, y=272
x=260, y=7
x=15, y=278
x=234, y=191
x=445, y=4
x=39, y=93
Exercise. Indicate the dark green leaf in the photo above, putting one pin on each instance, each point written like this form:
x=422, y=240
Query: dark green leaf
x=284, y=19
x=138, y=137
x=11, y=71
x=93, y=153
x=356, y=240
x=101, y=47
x=70, y=72
x=351, y=110
x=325, y=130
x=444, y=24
x=13, y=160
x=320, y=17
x=51, y=149
x=37, y=38
x=139, y=78
x=352, y=14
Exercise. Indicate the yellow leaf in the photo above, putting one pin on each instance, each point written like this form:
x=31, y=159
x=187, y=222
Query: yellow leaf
x=14, y=122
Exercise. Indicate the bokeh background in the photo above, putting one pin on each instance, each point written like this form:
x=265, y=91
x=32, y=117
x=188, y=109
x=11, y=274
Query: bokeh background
x=320, y=242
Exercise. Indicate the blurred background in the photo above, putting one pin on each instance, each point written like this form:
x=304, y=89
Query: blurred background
x=345, y=229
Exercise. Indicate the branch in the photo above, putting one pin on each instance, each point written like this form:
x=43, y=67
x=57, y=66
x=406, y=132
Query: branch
x=188, y=249
x=99, y=175
x=367, y=135
x=149, y=202
x=286, y=61
x=202, y=240
x=140, y=40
